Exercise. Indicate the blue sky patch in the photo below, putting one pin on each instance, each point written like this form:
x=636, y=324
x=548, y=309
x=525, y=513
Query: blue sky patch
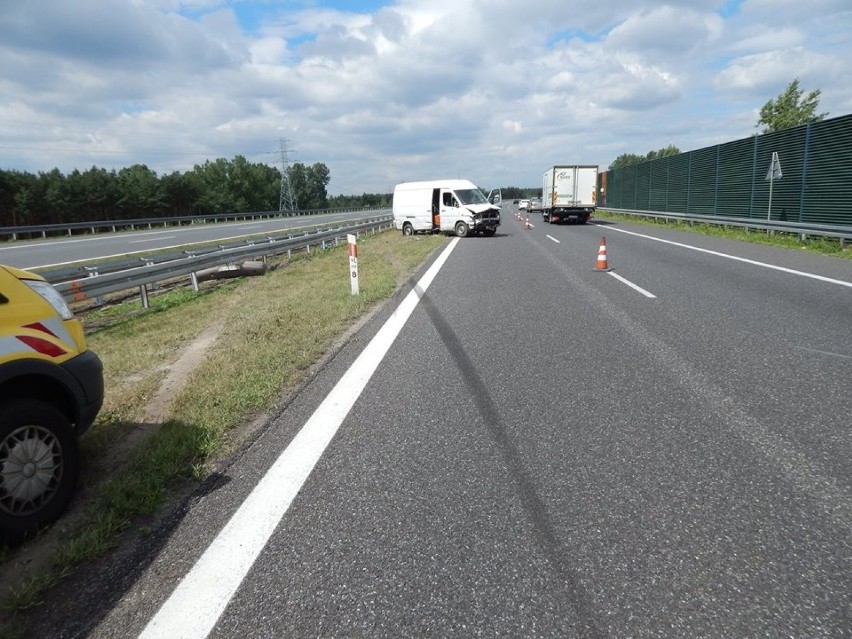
x=570, y=34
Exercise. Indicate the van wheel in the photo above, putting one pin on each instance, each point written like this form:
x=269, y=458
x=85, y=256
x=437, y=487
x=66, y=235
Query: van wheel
x=462, y=229
x=489, y=232
x=407, y=229
x=39, y=462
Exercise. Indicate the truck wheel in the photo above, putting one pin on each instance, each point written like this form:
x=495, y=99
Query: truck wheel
x=39, y=462
x=407, y=229
x=462, y=229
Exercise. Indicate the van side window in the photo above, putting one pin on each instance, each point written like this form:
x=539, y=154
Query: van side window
x=449, y=200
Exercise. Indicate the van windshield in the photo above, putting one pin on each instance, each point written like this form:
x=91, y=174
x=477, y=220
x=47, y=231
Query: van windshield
x=471, y=196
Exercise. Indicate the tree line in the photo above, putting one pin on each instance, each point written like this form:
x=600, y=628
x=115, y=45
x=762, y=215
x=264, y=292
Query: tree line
x=215, y=187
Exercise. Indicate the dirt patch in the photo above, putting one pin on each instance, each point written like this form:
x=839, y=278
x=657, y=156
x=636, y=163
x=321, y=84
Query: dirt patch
x=158, y=408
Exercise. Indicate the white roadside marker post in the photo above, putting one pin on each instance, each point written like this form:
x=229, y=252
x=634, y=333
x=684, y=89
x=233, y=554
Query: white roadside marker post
x=353, y=262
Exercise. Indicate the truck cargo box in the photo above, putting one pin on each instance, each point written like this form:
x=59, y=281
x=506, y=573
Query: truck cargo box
x=569, y=193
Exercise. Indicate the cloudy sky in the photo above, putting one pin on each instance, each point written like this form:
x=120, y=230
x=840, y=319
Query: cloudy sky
x=383, y=91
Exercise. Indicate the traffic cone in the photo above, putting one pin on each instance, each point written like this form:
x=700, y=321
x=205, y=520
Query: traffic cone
x=602, y=264
x=527, y=223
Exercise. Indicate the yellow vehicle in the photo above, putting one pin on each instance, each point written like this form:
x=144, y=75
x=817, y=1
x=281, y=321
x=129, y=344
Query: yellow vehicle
x=51, y=389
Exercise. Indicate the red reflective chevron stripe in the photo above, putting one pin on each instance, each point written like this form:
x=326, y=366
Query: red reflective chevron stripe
x=38, y=326
x=42, y=346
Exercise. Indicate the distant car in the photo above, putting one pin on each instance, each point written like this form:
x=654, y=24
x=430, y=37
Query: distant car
x=524, y=205
x=535, y=204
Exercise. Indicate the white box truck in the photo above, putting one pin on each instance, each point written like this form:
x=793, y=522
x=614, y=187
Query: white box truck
x=449, y=206
x=569, y=193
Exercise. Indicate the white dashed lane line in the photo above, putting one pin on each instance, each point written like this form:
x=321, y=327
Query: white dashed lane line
x=633, y=286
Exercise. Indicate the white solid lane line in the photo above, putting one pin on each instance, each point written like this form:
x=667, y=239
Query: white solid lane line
x=153, y=239
x=199, y=600
x=784, y=269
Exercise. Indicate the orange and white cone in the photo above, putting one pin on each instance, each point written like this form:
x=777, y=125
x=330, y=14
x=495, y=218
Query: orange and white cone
x=602, y=264
x=527, y=223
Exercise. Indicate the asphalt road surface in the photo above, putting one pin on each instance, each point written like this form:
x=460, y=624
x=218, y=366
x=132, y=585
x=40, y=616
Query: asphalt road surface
x=541, y=449
x=56, y=251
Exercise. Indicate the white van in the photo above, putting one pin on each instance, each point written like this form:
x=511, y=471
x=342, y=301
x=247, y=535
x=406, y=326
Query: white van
x=449, y=206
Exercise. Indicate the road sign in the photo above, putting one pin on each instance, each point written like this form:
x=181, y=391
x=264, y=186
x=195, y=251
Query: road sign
x=772, y=176
x=774, y=172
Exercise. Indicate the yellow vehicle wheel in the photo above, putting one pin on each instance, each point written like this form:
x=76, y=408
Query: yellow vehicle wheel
x=39, y=463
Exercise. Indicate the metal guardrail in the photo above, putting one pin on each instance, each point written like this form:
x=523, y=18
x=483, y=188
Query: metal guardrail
x=843, y=233
x=42, y=230
x=118, y=277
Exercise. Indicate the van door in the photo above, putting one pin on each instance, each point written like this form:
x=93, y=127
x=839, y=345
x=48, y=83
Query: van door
x=449, y=210
x=436, y=209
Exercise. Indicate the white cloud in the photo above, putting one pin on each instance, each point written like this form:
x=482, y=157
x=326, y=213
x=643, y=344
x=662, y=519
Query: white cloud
x=663, y=31
x=417, y=89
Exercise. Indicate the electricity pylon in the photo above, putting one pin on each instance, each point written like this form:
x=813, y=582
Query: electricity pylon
x=286, y=198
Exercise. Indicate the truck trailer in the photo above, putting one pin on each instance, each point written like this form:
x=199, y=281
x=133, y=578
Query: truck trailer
x=569, y=193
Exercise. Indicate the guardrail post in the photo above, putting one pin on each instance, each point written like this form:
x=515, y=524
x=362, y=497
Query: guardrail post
x=93, y=272
x=149, y=262
x=194, y=278
x=143, y=291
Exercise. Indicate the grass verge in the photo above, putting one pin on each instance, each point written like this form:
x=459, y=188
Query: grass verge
x=268, y=331
x=821, y=245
